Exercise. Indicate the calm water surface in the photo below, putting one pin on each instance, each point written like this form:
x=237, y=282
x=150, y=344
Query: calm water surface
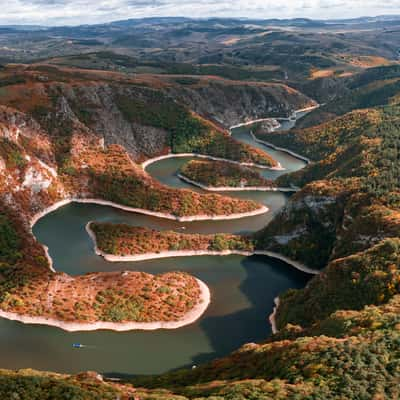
x=242, y=288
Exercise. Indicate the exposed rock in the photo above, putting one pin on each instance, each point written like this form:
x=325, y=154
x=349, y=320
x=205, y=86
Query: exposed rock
x=36, y=180
x=306, y=229
x=232, y=103
x=107, y=120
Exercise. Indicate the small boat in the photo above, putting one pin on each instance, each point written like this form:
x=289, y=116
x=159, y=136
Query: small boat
x=77, y=346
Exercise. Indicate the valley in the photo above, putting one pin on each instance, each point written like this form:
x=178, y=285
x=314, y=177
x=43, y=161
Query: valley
x=215, y=217
x=234, y=266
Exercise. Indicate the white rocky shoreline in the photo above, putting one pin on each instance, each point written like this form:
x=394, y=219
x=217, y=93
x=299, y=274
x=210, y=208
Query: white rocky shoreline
x=205, y=296
x=282, y=149
x=236, y=189
x=187, y=253
x=272, y=317
x=62, y=203
x=146, y=163
x=255, y=121
x=193, y=315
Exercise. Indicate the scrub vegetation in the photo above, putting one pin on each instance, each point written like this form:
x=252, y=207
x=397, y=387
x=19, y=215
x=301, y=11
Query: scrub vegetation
x=125, y=240
x=75, y=132
x=223, y=174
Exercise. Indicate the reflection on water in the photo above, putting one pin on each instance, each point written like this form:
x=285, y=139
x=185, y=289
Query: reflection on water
x=242, y=289
x=166, y=170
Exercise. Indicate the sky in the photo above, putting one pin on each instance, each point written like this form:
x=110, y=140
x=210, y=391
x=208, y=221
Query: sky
x=76, y=12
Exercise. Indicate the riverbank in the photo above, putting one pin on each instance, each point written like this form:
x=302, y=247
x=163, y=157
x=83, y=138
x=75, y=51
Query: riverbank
x=272, y=317
x=272, y=146
x=255, y=121
x=236, y=189
x=308, y=109
x=146, y=163
x=259, y=120
x=191, y=317
x=282, y=149
x=189, y=253
x=61, y=203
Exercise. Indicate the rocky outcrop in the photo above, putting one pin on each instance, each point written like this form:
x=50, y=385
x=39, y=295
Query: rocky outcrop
x=107, y=120
x=305, y=230
x=226, y=102
x=230, y=103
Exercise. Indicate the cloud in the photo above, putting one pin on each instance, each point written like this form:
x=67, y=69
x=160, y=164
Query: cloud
x=74, y=12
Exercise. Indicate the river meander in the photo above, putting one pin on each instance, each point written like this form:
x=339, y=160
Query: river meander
x=242, y=290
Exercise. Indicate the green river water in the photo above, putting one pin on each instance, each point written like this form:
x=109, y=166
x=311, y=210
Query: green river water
x=242, y=290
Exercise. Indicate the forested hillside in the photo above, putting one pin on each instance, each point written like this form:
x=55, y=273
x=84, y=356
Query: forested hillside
x=338, y=337
x=54, y=149
x=373, y=87
x=347, y=215
x=78, y=133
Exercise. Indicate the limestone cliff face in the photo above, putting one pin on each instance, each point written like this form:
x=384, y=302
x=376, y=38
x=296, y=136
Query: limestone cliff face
x=141, y=114
x=91, y=108
x=95, y=107
x=305, y=230
x=107, y=120
x=231, y=103
x=28, y=173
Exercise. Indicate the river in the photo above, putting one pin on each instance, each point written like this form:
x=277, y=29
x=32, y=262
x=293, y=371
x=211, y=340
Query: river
x=242, y=290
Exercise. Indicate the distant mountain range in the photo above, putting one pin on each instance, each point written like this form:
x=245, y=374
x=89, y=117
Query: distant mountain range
x=131, y=22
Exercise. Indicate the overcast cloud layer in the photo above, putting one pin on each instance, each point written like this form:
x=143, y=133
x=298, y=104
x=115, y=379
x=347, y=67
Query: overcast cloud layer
x=74, y=12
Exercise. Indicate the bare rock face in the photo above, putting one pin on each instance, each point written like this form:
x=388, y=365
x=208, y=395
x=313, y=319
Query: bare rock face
x=269, y=125
x=107, y=121
x=36, y=179
x=306, y=229
x=94, y=108
x=14, y=123
x=90, y=376
x=231, y=103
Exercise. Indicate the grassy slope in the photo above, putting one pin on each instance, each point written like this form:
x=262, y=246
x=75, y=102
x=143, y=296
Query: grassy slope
x=113, y=177
x=187, y=132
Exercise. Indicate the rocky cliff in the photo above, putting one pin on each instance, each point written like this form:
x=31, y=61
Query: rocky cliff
x=145, y=114
x=231, y=103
